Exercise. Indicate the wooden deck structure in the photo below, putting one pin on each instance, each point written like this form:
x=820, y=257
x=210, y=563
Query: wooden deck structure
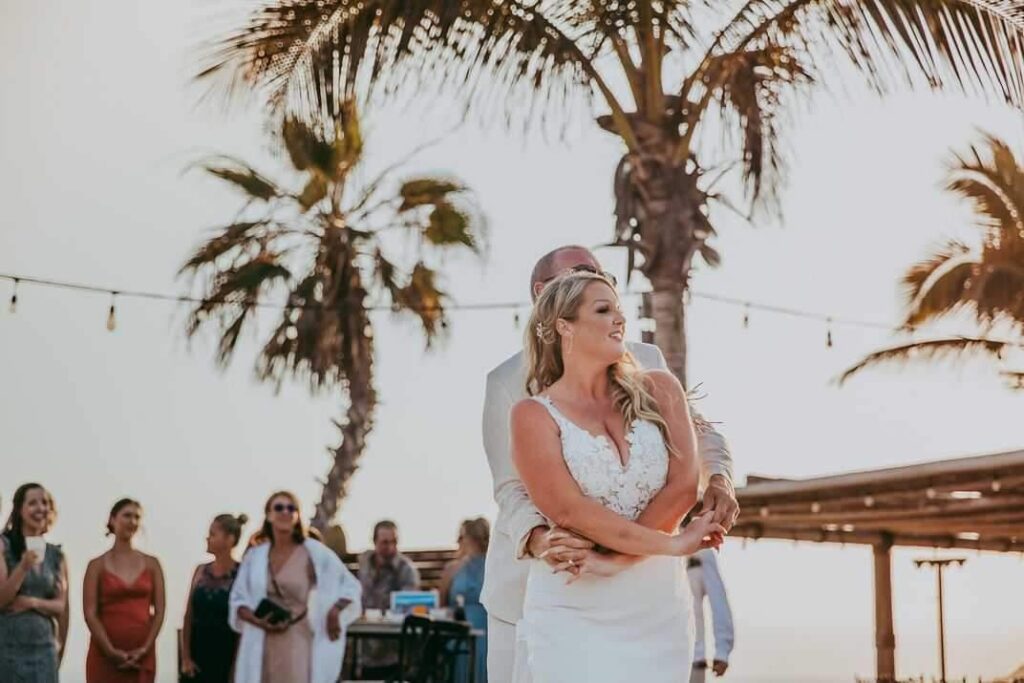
x=969, y=503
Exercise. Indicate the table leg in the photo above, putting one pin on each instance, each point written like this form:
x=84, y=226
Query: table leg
x=472, y=659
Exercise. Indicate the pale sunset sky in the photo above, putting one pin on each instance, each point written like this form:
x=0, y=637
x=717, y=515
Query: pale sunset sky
x=97, y=126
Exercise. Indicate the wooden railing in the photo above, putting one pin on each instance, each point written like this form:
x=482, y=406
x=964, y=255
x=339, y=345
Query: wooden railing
x=430, y=563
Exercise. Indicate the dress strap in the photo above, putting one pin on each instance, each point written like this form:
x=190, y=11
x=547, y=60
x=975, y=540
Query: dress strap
x=561, y=420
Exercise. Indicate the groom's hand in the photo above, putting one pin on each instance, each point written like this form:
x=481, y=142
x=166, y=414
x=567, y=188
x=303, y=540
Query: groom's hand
x=555, y=545
x=720, y=498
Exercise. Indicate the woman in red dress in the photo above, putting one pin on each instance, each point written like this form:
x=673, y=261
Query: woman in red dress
x=124, y=605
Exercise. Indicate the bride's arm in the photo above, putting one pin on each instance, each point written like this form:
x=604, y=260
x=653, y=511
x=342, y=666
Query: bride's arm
x=669, y=506
x=537, y=454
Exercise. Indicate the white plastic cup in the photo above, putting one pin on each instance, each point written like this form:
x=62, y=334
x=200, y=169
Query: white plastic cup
x=36, y=544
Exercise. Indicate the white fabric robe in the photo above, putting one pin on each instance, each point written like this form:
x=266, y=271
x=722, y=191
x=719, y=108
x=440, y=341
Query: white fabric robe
x=333, y=582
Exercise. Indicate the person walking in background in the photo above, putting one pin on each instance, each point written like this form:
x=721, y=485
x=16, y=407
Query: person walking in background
x=33, y=591
x=461, y=584
x=383, y=571
x=291, y=633
x=208, y=643
x=706, y=582
x=124, y=601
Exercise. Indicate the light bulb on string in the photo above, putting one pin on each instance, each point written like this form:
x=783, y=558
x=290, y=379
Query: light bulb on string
x=112, y=315
x=14, y=298
x=746, y=316
x=515, y=319
x=828, y=336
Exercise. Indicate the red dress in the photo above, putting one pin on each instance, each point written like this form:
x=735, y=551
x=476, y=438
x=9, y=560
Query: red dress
x=125, y=615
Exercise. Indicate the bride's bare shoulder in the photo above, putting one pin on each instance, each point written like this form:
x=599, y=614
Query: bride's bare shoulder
x=529, y=412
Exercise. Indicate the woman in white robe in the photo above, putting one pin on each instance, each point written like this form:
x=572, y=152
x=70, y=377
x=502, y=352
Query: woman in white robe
x=335, y=587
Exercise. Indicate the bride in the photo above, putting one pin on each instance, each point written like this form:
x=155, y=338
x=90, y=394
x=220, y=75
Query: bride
x=606, y=451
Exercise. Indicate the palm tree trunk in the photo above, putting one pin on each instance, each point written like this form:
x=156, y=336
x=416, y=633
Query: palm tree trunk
x=670, y=332
x=355, y=336
x=668, y=208
x=357, y=425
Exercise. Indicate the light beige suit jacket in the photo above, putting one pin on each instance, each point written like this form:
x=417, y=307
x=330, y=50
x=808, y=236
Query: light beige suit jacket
x=507, y=564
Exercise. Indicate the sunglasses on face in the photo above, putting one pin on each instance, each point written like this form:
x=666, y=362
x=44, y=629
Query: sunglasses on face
x=587, y=268
x=284, y=507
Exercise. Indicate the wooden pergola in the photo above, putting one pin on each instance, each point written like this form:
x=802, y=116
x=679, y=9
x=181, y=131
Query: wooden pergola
x=971, y=503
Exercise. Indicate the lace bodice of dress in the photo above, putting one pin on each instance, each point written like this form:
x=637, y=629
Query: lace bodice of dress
x=595, y=465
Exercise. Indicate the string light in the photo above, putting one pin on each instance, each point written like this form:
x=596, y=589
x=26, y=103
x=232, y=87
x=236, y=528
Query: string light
x=747, y=306
x=515, y=319
x=815, y=507
x=996, y=485
x=112, y=315
x=14, y=297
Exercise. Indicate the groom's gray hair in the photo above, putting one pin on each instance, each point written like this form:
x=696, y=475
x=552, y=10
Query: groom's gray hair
x=546, y=263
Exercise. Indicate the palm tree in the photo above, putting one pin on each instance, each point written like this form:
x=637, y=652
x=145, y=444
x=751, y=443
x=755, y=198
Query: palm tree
x=319, y=256
x=985, y=281
x=678, y=82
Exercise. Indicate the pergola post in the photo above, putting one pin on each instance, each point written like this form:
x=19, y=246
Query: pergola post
x=885, y=637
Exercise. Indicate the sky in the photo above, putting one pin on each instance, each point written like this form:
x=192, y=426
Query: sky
x=98, y=126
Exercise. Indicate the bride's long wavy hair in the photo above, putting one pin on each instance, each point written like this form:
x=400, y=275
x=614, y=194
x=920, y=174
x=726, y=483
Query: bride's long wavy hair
x=561, y=299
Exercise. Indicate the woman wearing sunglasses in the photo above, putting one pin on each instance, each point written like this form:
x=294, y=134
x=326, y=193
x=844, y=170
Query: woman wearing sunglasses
x=289, y=632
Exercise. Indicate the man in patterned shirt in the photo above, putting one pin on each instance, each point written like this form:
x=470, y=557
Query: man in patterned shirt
x=383, y=571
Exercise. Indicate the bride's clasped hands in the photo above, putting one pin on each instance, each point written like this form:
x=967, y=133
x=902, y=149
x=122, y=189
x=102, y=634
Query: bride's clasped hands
x=702, y=532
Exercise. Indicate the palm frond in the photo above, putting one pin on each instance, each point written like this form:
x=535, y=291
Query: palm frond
x=430, y=204
x=307, y=56
x=238, y=236
x=247, y=179
x=422, y=297
x=306, y=147
x=993, y=183
x=711, y=256
x=997, y=293
x=936, y=286
x=970, y=45
x=314, y=192
x=425, y=191
x=235, y=293
x=752, y=85
x=1015, y=379
x=949, y=349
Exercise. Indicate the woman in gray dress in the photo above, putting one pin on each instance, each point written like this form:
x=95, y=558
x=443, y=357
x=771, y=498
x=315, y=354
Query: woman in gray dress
x=33, y=591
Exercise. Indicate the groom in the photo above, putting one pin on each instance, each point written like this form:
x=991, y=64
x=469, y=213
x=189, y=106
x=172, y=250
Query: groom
x=521, y=532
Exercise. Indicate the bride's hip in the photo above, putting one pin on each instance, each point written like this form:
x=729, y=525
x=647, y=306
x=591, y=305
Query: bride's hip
x=653, y=582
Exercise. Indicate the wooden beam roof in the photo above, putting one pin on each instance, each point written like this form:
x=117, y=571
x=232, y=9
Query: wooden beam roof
x=975, y=503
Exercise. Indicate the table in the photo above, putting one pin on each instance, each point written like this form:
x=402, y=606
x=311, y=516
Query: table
x=361, y=629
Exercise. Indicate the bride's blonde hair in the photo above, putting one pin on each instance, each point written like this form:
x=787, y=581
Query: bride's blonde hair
x=561, y=300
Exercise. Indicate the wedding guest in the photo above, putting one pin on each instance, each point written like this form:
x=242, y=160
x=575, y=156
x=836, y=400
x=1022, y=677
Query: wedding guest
x=291, y=633
x=383, y=571
x=706, y=583
x=461, y=584
x=124, y=600
x=33, y=591
x=208, y=643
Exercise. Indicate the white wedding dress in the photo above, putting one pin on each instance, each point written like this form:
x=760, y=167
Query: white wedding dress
x=634, y=626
